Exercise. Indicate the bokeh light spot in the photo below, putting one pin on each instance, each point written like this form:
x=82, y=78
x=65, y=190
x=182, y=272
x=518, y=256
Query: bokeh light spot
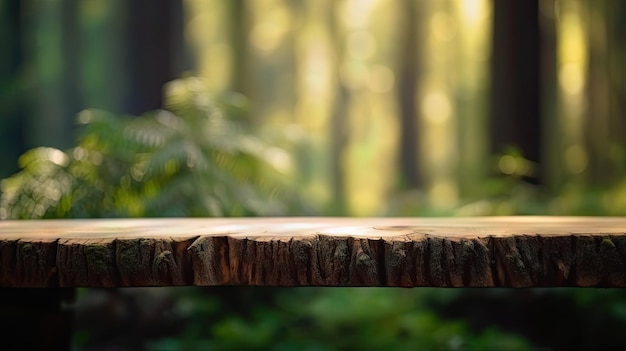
x=507, y=164
x=381, y=79
x=361, y=44
x=571, y=78
x=436, y=108
x=576, y=159
x=442, y=26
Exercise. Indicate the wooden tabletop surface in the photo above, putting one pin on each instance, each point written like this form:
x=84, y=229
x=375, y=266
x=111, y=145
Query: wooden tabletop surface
x=313, y=251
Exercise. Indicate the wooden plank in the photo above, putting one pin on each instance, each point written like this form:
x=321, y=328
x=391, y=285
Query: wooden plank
x=404, y=252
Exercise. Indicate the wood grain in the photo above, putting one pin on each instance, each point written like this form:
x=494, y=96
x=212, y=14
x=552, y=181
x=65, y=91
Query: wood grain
x=401, y=252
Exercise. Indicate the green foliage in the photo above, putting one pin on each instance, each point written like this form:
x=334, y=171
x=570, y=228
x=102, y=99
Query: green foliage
x=193, y=158
x=342, y=319
x=507, y=193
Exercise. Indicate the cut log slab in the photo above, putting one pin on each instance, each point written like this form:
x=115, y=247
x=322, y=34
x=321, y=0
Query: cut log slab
x=396, y=252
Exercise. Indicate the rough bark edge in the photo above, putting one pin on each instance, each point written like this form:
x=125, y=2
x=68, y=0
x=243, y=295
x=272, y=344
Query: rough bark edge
x=318, y=260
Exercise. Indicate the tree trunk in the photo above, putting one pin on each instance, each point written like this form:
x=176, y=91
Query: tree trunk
x=12, y=89
x=70, y=74
x=604, y=124
x=616, y=12
x=515, y=80
x=154, y=37
x=552, y=141
x=339, y=133
x=239, y=31
x=408, y=70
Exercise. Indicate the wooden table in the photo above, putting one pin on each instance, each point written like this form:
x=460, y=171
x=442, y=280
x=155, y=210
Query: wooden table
x=404, y=252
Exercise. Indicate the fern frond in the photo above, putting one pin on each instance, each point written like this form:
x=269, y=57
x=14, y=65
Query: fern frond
x=194, y=158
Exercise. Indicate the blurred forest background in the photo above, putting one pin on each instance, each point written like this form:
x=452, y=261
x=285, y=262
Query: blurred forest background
x=351, y=107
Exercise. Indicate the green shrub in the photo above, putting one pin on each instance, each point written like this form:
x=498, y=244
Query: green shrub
x=193, y=158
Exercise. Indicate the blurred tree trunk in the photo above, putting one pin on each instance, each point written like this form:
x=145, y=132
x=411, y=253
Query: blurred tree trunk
x=183, y=57
x=552, y=140
x=596, y=130
x=239, y=30
x=12, y=71
x=408, y=71
x=155, y=35
x=103, y=79
x=515, y=85
x=73, y=100
x=55, y=53
x=339, y=118
x=602, y=132
x=616, y=12
x=50, y=123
